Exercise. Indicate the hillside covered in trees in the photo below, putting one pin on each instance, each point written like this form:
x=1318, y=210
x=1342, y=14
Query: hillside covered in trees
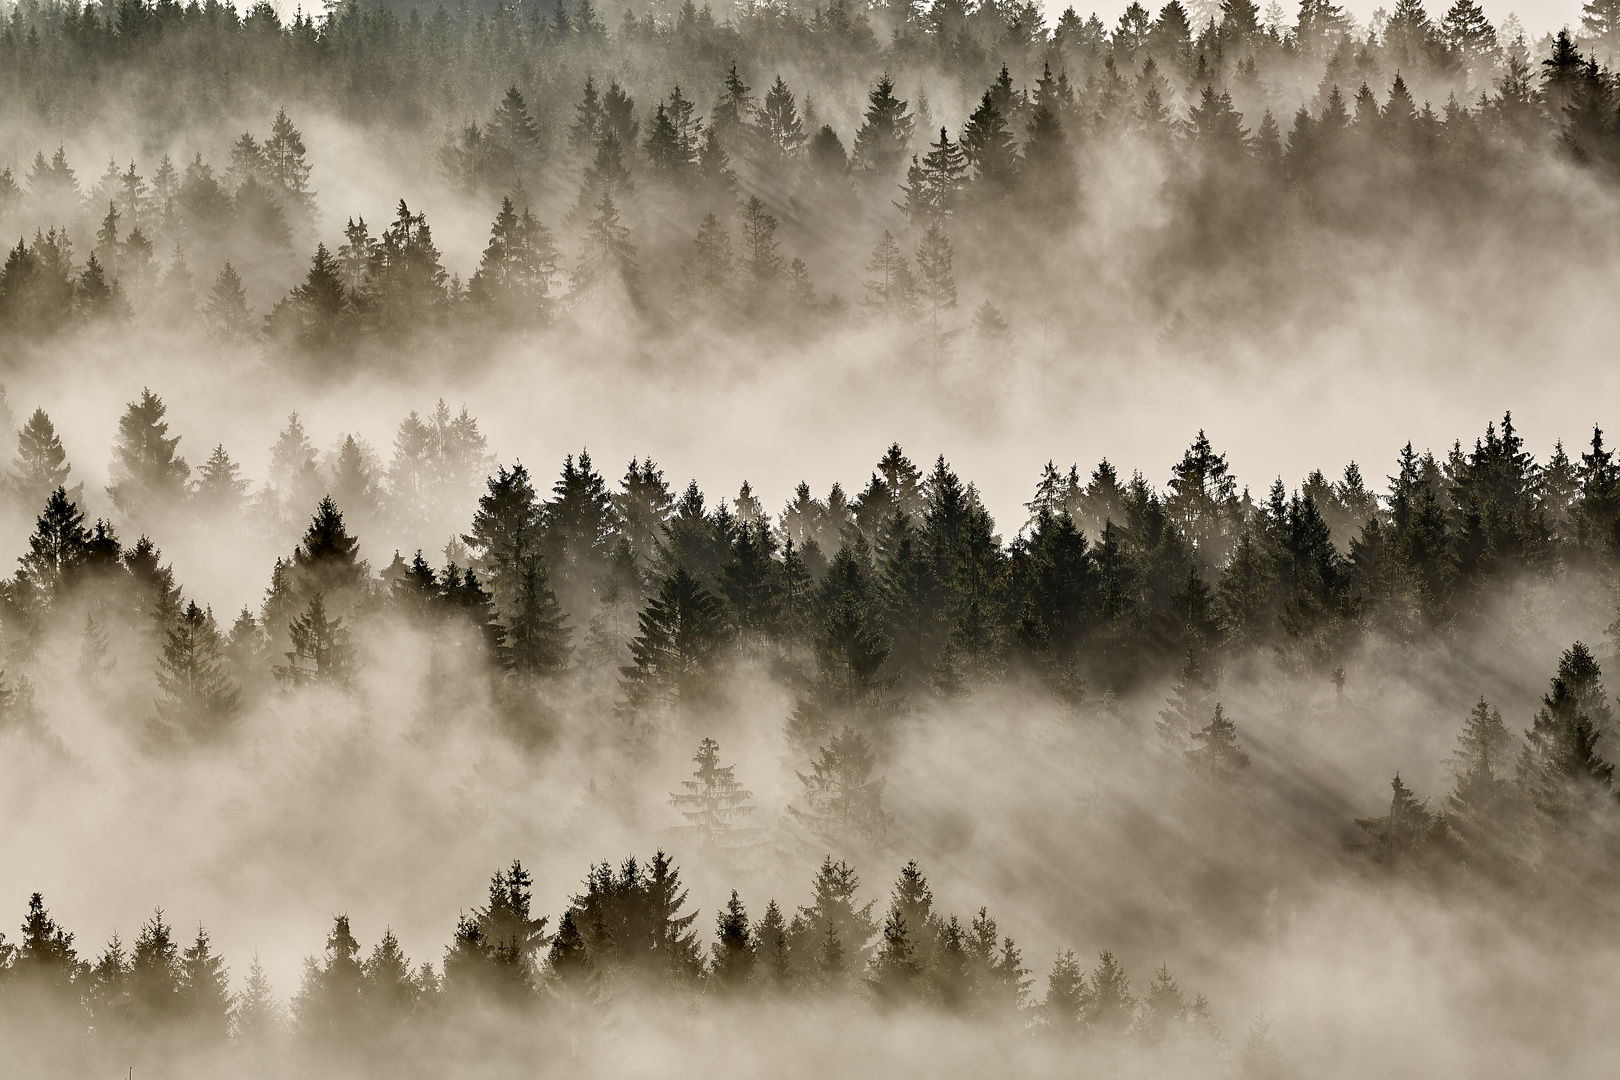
x=1206, y=645
x=771, y=169
x=604, y=443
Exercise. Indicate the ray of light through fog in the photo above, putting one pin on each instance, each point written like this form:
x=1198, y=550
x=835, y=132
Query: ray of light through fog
x=1059, y=546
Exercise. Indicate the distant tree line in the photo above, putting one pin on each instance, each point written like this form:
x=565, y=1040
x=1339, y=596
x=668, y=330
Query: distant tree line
x=627, y=934
x=638, y=604
x=1403, y=118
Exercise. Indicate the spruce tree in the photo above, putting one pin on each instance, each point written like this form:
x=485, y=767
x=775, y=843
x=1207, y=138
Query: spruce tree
x=734, y=951
x=716, y=808
x=842, y=804
x=1215, y=754
x=257, y=1015
x=199, y=702
x=607, y=255
x=226, y=312
x=59, y=545
x=155, y=975
x=321, y=652
x=891, y=291
x=220, y=487
x=147, y=475
x=674, y=658
x=885, y=132
x=42, y=465
x=205, y=995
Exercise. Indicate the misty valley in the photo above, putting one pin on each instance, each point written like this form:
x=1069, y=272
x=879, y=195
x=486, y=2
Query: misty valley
x=359, y=716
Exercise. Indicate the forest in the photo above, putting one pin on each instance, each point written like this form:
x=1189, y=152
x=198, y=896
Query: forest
x=598, y=451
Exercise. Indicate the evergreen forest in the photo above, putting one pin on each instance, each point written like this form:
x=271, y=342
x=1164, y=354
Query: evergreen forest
x=598, y=451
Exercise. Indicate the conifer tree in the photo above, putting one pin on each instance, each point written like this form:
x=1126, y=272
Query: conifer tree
x=59, y=544
x=1187, y=705
x=842, y=803
x=891, y=291
x=147, y=475
x=1403, y=837
x=329, y=998
x=708, y=272
x=607, y=255
x=734, y=950
x=774, y=959
x=199, y=703
x=936, y=282
x=1062, y=1007
x=226, y=312
x=155, y=974
x=758, y=260
x=205, y=996
x=257, y=1015
x=834, y=929
x=674, y=657
x=988, y=149
x=518, y=267
x=220, y=487
x=1109, y=1004
x=885, y=132
x=1561, y=769
x=42, y=465
x=321, y=652
x=716, y=807
x=781, y=130
x=536, y=638
x=1216, y=755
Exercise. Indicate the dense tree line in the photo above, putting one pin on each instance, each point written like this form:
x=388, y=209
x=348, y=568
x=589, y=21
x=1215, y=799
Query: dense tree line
x=626, y=934
x=639, y=605
x=591, y=141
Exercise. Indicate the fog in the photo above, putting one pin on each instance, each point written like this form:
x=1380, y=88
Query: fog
x=1110, y=608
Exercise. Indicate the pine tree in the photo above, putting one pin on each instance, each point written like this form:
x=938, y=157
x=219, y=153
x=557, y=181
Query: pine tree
x=148, y=477
x=716, y=808
x=536, y=639
x=1109, y=1004
x=41, y=465
x=1560, y=768
x=284, y=164
x=936, y=283
x=732, y=118
x=708, y=272
x=734, y=949
x=607, y=255
x=675, y=655
x=834, y=930
x=199, y=703
x=506, y=531
x=1187, y=705
x=155, y=974
x=59, y=544
x=758, y=260
x=842, y=804
x=885, y=132
x=988, y=148
x=1062, y=1007
x=325, y=1008
x=781, y=131
x=220, y=487
x=321, y=654
x=516, y=272
x=205, y=996
x=1402, y=837
x=257, y=1016
x=226, y=312
x=773, y=951
x=891, y=292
